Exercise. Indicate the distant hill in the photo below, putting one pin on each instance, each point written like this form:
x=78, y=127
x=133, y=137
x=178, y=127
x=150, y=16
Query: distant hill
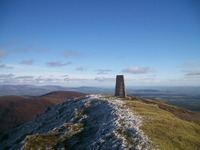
x=106, y=122
x=29, y=90
x=186, y=97
x=60, y=96
x=15, y=110
x=32, y=90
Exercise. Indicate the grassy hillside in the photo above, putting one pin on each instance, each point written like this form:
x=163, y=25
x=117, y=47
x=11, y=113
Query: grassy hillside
x=103, y=120
x=167, y=126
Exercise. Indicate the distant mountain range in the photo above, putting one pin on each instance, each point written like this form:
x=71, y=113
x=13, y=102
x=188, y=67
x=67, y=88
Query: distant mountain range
x=186, y=97
x=32, y=90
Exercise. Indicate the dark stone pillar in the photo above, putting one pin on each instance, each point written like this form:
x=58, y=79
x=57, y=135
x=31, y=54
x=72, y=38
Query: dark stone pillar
x=120, y=87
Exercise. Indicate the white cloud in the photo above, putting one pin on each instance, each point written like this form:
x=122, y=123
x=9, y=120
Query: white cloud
x=27, y=62
x=104, y=79
x=61, y=79
x=3, y=66
x=65, y=76
x=48, y=79
x=193, y=74
x=191, y=69
x=24, y=79
x=138, y=70
x=103, y=71
x=81, y=69
x=57, y=64
x=149, y=80
x=6, y=76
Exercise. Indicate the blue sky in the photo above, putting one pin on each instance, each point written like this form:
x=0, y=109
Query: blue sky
x=87, y=43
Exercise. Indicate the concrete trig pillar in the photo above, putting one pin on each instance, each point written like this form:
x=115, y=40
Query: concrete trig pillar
x=120, y=87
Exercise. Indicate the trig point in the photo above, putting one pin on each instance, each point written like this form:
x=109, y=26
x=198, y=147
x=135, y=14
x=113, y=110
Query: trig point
x=120, y=87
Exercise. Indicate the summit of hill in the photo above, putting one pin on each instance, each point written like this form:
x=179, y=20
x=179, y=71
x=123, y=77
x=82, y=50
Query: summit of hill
x=106, y=122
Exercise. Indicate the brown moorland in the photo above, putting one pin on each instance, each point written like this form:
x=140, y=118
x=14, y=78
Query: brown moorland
x=15, y=110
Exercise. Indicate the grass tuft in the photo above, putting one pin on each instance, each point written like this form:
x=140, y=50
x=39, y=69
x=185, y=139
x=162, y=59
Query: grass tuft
x=164, y=128
x=41, y=141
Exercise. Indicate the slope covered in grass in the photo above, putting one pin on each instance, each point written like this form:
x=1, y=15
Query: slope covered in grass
x=168, y=126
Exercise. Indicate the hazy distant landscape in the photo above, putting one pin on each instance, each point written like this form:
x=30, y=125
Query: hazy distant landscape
x=186, y=97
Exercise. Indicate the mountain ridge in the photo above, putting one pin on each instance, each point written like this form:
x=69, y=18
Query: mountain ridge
x=19, y=109
x=103, y=121
x=90, y=122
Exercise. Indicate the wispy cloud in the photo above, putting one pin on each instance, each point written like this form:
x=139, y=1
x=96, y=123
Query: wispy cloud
x=103, y=71
x=43, y=79
x=149, y=80
x=81, y=69
x=58, y=79
x=74, y=80
x=104, y=79
x=7, y=78
x=2, y=53
x=5, y=66
x=65, y=76
x=138, y=70
x=190, y=65
x=57, y=64
x=24, y=79
x=191, y=69
x=193, y=74
x=72, y=54
x=27, y=62
x=6, y=75
x=53, y=79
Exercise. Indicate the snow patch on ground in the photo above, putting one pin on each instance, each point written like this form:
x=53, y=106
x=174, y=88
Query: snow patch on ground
x=91, y=122
x=125, y=127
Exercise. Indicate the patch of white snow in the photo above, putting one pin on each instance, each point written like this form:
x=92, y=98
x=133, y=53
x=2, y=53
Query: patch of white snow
x=89, y=123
